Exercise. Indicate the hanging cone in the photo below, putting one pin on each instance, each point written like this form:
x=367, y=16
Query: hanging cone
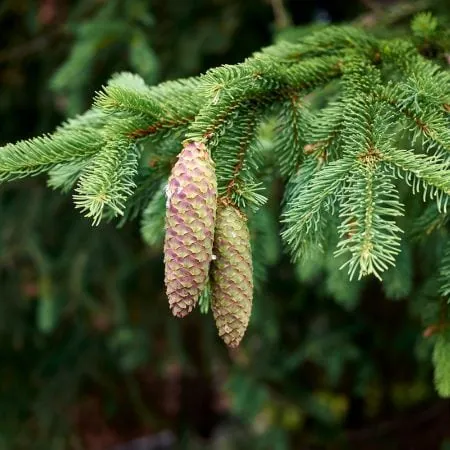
x=190, y=217
x=232, y=277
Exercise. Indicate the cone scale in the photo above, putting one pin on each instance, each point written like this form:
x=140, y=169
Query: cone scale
x=190, y=218
x=231, y=275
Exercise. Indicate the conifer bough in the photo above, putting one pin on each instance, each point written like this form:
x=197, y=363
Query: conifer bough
x=362, y=125
x=190, y=217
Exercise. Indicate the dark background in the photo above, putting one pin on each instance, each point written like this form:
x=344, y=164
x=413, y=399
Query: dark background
x=90, y=357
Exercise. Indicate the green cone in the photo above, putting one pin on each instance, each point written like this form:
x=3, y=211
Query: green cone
x=190, y=217
x=232, y=276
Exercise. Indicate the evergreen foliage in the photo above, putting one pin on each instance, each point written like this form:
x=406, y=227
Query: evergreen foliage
x=345, y=159
x=352, y=126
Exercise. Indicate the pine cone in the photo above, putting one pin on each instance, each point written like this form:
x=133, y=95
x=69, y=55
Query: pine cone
x=190, y=217
x=232, y=277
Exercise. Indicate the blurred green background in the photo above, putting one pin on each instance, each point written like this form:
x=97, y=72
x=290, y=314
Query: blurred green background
x=90, y=356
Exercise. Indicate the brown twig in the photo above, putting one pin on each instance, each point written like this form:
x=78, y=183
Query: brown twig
x=396, y=13
x=158, y=126
x=281, y=15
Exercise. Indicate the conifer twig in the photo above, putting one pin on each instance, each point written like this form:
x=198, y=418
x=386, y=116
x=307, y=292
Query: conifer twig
x=281, y=15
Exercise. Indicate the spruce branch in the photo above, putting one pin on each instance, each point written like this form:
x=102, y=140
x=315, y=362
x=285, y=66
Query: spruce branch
x=34, y=156
x=369, y=201
x=260, y=82
x=337, y=152
x=109, y=180
x=369, y=205
x=128, y=93
x=292, y=126
x=238, y=158
x=420, y=95
x=135, y=111
x=429, y=121
x=427, y=173
x=324, y=130
x=326, y=41
x=165, y=107
x=305, y=213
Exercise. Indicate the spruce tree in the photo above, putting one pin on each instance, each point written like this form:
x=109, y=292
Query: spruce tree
x=361, y=126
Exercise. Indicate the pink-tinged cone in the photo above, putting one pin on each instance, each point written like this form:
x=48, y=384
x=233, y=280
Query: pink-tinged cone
x=190, y=219
x=232, y=275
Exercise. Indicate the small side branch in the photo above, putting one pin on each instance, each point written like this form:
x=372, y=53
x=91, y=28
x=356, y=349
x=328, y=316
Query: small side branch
x=158, y=126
